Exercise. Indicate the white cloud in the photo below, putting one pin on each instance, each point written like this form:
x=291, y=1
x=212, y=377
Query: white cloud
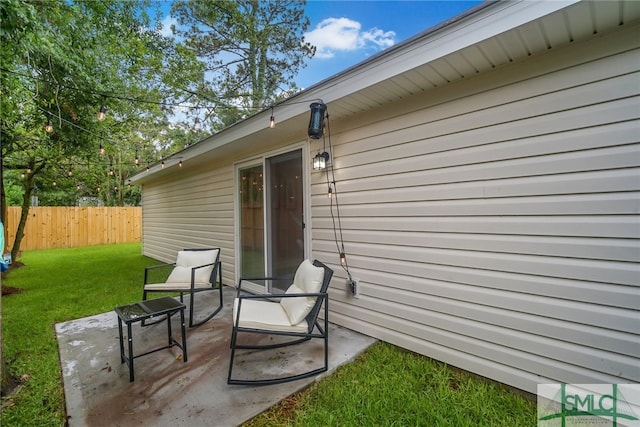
x=166, y=23
x=344, y=35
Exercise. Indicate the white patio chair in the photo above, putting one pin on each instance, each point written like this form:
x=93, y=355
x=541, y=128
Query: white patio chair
x=195, y=271
x=295, y=315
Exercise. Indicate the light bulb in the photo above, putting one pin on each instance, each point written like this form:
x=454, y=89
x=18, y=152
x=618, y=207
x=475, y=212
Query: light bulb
x=102, y=113
x=49, y=127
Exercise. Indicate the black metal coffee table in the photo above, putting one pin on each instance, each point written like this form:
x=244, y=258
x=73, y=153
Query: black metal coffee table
x=144, y=310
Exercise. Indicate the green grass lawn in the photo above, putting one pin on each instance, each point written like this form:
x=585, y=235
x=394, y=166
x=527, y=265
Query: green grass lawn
x=386, y=386
x=389, y=386
x=59, y=285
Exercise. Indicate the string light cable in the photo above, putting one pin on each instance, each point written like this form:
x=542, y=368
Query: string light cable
x=335, y=216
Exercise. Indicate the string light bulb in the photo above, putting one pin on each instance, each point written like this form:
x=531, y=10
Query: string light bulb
x=180, y=163
x=343, y=259
x=330, y=193
x=49, y=127
x=162, y=164
x=102, y=113
x=272, y=120
x=101, y=148
x=70, y=173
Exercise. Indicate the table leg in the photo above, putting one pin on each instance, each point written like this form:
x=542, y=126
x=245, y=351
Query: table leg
x=130, y=339
x=184, y=336
x=169, y=334
x=121, y=340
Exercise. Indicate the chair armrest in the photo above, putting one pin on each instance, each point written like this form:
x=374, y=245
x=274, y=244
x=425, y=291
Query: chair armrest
x=153, y=267
x=193, y=272
x=279, y=296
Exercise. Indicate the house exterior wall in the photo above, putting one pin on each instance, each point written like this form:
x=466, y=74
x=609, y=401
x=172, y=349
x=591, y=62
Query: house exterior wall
x=493, y=224
x=190, y=209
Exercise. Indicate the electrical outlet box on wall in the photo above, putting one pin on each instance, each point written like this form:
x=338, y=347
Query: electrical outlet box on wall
x=353, y=288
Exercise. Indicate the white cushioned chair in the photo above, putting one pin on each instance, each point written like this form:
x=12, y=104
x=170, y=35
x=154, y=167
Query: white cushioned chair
x=195, y=270
x=294, y=315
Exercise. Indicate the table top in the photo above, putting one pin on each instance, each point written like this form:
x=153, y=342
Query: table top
x=144, y=309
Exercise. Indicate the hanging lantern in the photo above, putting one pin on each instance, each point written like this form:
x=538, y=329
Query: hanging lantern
x=316, y=122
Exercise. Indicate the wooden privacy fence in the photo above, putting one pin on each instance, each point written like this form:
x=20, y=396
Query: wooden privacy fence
x=66, y=227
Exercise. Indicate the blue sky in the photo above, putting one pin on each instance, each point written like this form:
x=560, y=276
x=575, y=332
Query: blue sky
x=347, y=32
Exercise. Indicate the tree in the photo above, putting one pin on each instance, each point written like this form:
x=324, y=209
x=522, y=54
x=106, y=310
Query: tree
x=251, y=49
x=61, y=61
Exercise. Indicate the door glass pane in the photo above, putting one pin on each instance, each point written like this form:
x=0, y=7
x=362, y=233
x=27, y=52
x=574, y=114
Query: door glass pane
x=251, y=222
x=285, y=215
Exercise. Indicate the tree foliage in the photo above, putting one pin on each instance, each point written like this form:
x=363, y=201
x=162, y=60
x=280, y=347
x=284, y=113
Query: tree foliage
x=251, y=50
x=60, y=61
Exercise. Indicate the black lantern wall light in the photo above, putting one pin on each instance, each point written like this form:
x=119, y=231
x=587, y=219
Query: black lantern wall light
x=316, y=131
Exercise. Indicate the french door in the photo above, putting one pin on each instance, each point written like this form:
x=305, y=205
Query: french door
x=271, y=226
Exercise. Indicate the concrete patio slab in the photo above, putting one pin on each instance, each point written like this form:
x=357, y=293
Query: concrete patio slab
x=168, y=391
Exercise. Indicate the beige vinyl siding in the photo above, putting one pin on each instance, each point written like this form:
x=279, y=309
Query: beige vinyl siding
x=191, y=208
x=493, y=223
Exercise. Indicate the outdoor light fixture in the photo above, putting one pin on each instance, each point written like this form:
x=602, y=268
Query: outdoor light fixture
x=316, y=122
x=320, y=160
x=102, y=113
x=49, y=127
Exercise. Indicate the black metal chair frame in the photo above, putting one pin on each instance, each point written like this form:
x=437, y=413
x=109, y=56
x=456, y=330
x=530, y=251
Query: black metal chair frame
x=195, y=287
x=312, y=322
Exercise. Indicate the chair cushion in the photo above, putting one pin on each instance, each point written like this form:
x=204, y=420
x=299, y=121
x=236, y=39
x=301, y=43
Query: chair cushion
x=169, y=286
x=265, y=315
x=308, y=279
x=188, y=259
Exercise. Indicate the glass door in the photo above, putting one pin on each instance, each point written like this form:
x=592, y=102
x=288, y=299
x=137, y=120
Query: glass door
x=285, y=216
x=272, y=229
x=251, y=221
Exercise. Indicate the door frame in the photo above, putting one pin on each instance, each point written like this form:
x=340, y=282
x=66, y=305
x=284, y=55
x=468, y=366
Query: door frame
x=306, y=203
